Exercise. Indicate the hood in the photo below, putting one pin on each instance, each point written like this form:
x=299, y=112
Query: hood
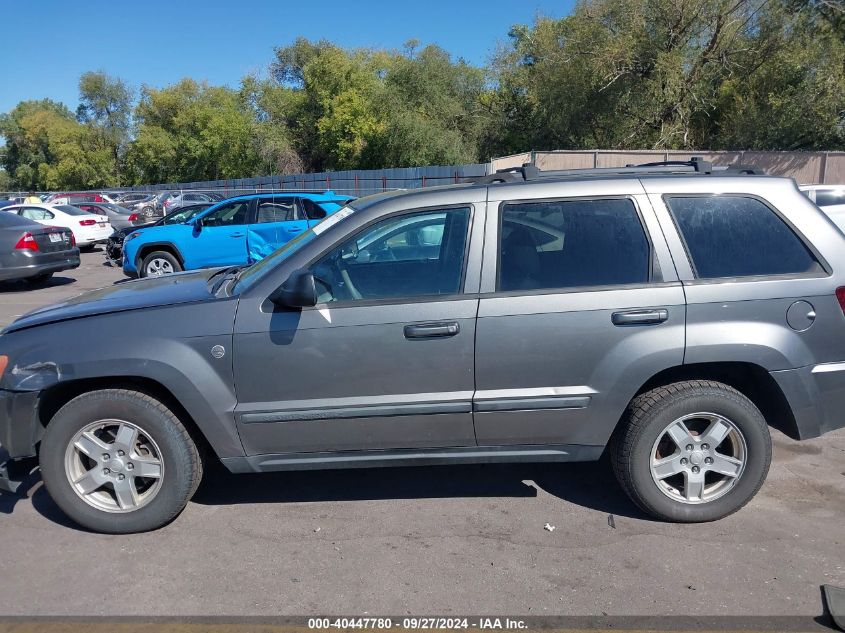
x=130, y=295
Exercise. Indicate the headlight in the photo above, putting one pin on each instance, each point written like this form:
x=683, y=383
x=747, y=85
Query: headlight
x=132, y=236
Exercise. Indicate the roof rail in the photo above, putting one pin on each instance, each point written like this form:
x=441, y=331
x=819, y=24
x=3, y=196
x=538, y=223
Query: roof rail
x=696, y=165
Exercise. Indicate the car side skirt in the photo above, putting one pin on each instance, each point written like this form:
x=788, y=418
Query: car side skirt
x=413, y=457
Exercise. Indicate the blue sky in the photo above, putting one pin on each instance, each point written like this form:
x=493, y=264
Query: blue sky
x=49, y=43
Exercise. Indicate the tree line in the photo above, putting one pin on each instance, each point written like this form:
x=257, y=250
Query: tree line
x=614, y=74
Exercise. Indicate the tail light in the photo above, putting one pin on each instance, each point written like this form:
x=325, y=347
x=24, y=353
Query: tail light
x=72, y=240
x=28, y=243
x=87, y=222
x=133, y=217
x=840, y=296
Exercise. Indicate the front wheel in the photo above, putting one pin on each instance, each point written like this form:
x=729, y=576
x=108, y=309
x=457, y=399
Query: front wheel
x=159, y=263
x=692, y=451
x=119, y=461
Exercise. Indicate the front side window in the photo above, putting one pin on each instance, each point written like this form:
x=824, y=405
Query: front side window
x=412, y=255
x=231, y=214
x=571, y=244
x=735, y=236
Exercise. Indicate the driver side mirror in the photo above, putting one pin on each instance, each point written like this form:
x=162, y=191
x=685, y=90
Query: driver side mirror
x=198, y=225
x=299, y=291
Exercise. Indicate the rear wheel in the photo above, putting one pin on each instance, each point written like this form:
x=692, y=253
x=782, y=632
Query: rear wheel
x=159, y=263
x=692, y=451
x=119, y=461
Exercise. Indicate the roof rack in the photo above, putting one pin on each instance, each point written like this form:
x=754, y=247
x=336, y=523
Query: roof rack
x=696, y=165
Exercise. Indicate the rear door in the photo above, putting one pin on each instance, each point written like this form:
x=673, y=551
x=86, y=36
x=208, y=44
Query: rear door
x=580, y=306
x=278, y=219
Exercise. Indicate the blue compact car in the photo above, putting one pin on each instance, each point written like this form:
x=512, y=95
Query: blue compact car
x=235, y=232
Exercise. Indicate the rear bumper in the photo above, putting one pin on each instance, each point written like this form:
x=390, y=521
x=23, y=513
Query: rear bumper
x=39, y=263
x=816, y=395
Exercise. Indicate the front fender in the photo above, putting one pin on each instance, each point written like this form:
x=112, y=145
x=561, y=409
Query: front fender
x=170, y=346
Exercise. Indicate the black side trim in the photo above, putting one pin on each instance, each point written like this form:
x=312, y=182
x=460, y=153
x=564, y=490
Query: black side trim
x=414, y=457
x=355, y=412
x=529, y=404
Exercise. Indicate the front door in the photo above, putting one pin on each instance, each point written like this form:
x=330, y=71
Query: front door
x=579, y=312
x=385, y=359
x=221, y=241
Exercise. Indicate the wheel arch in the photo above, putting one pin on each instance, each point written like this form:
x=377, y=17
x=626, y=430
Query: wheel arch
x=54, y=397
x=750, y=379
x=167, y=247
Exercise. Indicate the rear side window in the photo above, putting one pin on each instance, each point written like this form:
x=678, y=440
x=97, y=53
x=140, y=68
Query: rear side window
x=313, y=211
x=570, y=244
x=734, y=236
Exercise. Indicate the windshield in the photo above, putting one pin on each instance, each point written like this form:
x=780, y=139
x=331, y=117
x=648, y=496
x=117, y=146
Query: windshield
x=251, y=275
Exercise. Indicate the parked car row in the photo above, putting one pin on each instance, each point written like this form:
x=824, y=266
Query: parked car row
x=234, y=232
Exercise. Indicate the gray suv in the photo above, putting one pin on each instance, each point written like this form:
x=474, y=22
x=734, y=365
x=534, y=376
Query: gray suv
x=667, y=314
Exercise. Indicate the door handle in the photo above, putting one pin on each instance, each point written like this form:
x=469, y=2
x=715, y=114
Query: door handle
x=236, y=235
x=640, y=317
x=432, y=330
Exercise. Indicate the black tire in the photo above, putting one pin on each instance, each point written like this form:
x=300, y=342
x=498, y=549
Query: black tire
x=652, y=412
x=179, y=455
x=160, y=255
x=87, y=248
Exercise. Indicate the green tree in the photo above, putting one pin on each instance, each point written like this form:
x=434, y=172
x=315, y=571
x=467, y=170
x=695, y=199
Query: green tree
x=105, y=105
x=192, y=131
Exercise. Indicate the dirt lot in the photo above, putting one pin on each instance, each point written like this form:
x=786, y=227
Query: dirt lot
x=439, y=540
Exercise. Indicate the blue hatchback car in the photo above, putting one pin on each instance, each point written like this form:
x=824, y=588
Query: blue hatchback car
x=234, y=232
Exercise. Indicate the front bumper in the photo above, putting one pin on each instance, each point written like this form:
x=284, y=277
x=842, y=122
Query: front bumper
x=20, y=432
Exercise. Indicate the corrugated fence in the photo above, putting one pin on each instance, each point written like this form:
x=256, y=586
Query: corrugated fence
x=805, y=167
x=359, y=182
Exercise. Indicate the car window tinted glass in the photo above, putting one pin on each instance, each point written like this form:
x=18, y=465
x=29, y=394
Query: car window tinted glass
x=413, y=255
x=276, y=210
x=830, y=197
x=230, y=214
x=570, y=244
x=10, y=219
x=733, y=236
x=71, y=210
x=313, y=211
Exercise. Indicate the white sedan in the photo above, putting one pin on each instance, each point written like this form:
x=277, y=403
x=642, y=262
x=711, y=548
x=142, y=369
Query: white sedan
x=88, y=228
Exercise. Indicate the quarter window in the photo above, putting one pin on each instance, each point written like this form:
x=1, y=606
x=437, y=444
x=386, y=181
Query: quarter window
x=570, y=244
x=413, y=255
x=734, y=236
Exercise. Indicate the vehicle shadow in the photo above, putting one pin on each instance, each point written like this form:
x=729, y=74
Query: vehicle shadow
x=590, y=485
x=21, y=285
